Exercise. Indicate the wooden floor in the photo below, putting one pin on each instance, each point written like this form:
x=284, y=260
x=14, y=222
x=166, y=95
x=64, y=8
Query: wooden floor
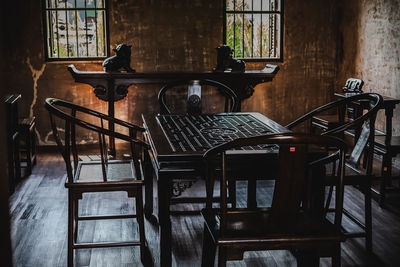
x=39, y=225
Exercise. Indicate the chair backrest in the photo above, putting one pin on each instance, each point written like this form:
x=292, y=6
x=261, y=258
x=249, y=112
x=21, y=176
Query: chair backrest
x=295, y=160
x=190, y=93
x=353, y=86
x=363, y=126
x=70, y=115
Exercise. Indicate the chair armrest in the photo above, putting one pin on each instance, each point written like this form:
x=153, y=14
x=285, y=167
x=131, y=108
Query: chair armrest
x=51, y=101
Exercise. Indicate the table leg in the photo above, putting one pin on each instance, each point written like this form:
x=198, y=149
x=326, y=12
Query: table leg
x=164, y=196
x=111, y=113
x=318, y=190
x=251, y=193
x=148, y=182
x=389, y=116
x=307, y=258
x=386, y=173
x=386, y=170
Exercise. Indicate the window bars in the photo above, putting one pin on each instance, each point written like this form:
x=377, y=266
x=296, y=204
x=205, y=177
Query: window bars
x=253, y=28
x=75, y=29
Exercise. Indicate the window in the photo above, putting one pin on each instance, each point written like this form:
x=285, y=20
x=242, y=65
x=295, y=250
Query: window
x=253, y=28
x=75, y=29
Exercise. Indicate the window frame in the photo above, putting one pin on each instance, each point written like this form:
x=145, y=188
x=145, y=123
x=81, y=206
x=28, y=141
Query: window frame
x=263, y=59
x=83, y=59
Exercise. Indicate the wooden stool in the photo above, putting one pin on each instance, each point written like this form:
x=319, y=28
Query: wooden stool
x=26, y=128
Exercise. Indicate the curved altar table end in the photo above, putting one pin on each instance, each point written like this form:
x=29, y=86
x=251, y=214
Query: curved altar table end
x=242, y=82
x=113, y=86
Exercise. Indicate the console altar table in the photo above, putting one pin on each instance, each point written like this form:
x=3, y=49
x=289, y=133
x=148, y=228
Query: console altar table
x=113, y=86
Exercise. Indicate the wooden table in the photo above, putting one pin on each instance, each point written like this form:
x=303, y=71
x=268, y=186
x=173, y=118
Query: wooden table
x=113, y=86
x=168, y=163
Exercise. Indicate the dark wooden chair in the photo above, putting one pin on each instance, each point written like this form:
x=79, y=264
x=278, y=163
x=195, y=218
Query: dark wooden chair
x=189, y=94
x=290, y=223
x=356, y=174
x=386, y=145
x=103, y=175
x=13, y=136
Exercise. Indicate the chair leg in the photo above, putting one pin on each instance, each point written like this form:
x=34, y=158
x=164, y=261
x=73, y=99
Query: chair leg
x=222, y=257
x=328, y=200
x=383, y=182
x=33, y=147
x=307, y=258
x=11, y=168
x=368, y=218
x=75, y=216
x=148, y=181
x=140, y=220
x=209, y=249
x=337, y=257
x=251, y=193
x=28, y=153
x=232, y=192
x=17, y=161
x=71, y=210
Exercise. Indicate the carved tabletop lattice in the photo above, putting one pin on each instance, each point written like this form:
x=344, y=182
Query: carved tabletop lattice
x=201, y=132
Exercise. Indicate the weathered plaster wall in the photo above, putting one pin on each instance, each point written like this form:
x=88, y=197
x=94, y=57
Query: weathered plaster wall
x=370, y=42
x=177, y=35
x=371, y=49
x=307, y=75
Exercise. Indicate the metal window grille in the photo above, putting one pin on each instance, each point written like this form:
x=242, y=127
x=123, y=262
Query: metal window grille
x=253, y=28
x=75, y=29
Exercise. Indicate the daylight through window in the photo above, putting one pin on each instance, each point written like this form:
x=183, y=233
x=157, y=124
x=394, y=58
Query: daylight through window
x=253, y=28
x=75, y=29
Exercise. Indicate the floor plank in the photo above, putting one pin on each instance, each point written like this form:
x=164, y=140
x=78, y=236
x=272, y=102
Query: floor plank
x=39, y=228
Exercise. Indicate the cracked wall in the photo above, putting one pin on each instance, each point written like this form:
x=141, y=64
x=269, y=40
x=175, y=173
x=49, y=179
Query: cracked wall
x=36, y=73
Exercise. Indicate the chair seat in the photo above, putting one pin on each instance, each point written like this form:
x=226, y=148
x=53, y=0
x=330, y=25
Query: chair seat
x=353, y=176
x=326, y=121
x=119, y=172
x=26, y=125
x=27, y=121
x=252, y=227
x=393, y=146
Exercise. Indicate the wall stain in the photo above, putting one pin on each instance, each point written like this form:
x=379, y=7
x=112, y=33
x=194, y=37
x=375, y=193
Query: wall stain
x=35, y=76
